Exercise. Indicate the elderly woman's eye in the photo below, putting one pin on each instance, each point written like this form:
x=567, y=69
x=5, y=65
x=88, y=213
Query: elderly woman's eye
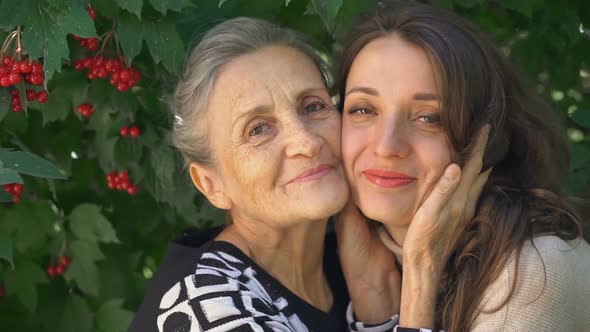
x=258, y=129
x=314, y=107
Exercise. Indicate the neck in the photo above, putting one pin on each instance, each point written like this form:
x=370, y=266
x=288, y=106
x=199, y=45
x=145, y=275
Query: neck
x=293, y=255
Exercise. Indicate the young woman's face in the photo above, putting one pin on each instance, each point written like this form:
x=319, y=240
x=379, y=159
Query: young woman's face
x=394, y=148
x=275, y=136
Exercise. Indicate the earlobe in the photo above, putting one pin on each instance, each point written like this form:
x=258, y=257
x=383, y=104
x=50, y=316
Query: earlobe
x=207, y=180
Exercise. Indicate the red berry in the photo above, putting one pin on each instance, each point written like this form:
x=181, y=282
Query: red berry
x=36, y=68
x=121, y=86
x=16, y=198
x=51, y=271
x=17, y=108
x=42, y=97
x=134, y=131
x=111, y=185
x=14, y=78
x=65, y=260
x=124, y=175
x=15, y=67
x=60, y=269
x=2, y=291
x=36, y=79
x=5, y=81
x=8, y=188
x=78, y=65
x=88, y=62
x=4, y=70
x=132, y=190
x=124, y=75
x=17, y=188
x=91, y=12
x=124, y=131
x=25, y=66
x=14, y=93
x=31, y=95
x=7, y=60
x=103, y=72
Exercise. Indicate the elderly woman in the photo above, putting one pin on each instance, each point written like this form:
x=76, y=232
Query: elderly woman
x=261, y=137
x=418, y=84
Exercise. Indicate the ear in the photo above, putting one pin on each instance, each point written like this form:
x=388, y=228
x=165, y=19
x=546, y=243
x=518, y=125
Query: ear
x=208, y=181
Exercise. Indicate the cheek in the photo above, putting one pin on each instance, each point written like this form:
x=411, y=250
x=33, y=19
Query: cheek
x=352, y=145
x=435, y=156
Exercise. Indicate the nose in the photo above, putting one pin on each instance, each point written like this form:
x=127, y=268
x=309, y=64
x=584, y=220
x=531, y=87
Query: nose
x=391, y=139
x=301, y=139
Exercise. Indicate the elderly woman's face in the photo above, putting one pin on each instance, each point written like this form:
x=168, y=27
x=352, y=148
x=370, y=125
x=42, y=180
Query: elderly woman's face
x=275, y=137
x=394, y=147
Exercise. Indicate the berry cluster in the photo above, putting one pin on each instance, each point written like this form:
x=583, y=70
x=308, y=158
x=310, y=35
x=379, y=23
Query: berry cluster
x=17, y=106
x=40, y=96
x=86, y=110
x=60, y=268
x=120, y=181
x=15, y=189
x=100, y=67
x=11, y=70
x=92, y=42
x=132, y=131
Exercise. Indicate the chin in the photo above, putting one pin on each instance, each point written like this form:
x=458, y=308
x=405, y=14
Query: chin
x=322, y=204
x=393, y=214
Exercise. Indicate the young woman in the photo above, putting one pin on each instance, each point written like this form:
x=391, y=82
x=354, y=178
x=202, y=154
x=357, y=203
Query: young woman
x=419, y=84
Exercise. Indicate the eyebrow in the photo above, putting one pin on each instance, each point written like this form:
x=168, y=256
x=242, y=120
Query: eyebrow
x=421, y=96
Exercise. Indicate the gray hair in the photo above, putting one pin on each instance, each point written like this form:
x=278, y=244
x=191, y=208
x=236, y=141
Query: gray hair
x=220, y=45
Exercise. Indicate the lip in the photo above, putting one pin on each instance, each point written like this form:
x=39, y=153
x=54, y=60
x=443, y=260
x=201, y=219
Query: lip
x=387, y=179
x=313, y=173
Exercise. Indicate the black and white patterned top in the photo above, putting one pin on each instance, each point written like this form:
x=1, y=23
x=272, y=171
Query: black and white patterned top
x=216, y=287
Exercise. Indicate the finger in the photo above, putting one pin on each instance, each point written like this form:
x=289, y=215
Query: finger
x=470, y=172
x=440, y=195
x=472, y=167
x=350, y=224
x=474, y=194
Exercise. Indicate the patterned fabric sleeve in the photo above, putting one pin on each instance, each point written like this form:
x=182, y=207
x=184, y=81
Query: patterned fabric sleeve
x=390, y=325
x=224, y=295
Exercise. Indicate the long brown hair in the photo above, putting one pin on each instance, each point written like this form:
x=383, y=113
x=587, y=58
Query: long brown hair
x=527, y=147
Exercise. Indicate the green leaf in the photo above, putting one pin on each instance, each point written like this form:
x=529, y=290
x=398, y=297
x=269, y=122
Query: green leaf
x=28, y=163
x=47, y=28
x=162, y=159
x=164, y=5
x=5, y=102
x=469, y=3
x=83, y=268
x=165, y=44
x=132, y=6
x=130, y=33
x=6, y=249
x=9, y=176
x=56, y=108
x=128, y=151
x=88, y=224
x=26, y=216
x=111, y=317
x=77, y=316
x=525, y=7
x=327, y=10
x=221, y=2
x=23, y=282
x=582, y=117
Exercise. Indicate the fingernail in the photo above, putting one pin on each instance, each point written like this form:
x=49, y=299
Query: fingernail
x=452, y=172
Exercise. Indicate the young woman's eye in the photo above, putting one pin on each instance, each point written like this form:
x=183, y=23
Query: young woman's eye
x=314, y=107
x=431, y=119
x=258, y=129
x=360, y=111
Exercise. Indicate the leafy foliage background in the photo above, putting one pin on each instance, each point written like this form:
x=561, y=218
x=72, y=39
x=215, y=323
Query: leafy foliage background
x=116, y=240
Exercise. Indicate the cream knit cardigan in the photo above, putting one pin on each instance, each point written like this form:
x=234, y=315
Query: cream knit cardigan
x=552, y=290
x=552, y=294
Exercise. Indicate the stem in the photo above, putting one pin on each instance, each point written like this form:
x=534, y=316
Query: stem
x=18, y=45
x=7, y=42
